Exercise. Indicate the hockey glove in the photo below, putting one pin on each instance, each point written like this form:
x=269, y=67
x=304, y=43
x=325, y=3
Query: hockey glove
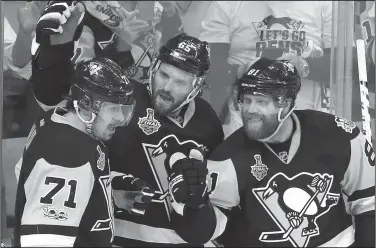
x=60, y=23
x=187, y=182
x=132, y=194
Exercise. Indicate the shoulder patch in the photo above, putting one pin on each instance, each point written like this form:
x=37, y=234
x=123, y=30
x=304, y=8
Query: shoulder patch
x=346, y=125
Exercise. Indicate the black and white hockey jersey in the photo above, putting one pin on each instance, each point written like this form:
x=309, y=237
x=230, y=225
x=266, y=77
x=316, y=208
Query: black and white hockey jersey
x=308, y=199
x=146, y=146
x=64, y=190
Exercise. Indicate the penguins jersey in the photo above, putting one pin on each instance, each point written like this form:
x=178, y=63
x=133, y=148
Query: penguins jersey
x=148, y=143
x=306, y=200
x=64, y=192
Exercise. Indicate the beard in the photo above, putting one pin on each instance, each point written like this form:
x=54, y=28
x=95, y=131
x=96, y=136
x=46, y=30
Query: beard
x=259, y=127
x=163, y=103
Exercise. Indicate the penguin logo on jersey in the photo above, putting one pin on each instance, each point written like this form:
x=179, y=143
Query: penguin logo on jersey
x=295, y=204
x=148, y=124
x=259, y=170
x=162, y=156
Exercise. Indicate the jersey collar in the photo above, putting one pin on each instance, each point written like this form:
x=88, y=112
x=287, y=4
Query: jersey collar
x=295, y=141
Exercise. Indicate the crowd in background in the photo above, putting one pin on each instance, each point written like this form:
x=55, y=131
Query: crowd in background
x=239, y=33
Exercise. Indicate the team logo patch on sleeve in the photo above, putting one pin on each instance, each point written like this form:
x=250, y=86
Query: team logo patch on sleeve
x=259, y=170
x=347, y=125
x=295, y=204
x=148, y=124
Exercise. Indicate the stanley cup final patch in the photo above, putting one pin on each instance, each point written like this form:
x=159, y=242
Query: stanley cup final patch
x=259, y=170
x=149, y=124
x=101, y=162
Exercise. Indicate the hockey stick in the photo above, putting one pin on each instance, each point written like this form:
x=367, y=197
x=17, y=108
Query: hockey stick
x=364, y=98
x=270, y=237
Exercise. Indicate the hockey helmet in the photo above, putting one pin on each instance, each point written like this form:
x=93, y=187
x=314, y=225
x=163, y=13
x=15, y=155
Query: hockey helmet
x=269, y=77
x=99, y=82
x=188, y=54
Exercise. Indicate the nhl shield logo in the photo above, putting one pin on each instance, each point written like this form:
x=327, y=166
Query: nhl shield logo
x=259, y=170
x=148, y=124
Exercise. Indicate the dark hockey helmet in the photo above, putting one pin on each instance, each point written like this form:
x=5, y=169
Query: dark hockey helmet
x=270, y=77
x=101, y=79
x=186, y=53
x=98, y=81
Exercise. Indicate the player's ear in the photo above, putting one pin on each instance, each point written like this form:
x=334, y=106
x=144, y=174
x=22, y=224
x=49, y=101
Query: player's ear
x=287, y=106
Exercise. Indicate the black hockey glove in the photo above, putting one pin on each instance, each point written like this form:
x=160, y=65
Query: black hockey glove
x=187, y=182
x=131, y=194
x=60, y=23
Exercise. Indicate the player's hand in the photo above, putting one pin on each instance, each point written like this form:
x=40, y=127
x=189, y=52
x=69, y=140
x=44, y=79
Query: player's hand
x=188, y=181
x=132, y=194
x=131, y=28
x=122, y=22
x=27, y=17
x=60, y=23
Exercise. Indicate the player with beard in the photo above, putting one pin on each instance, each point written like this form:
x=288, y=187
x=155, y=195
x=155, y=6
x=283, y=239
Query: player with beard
x=64, y=194
x=293, y=178
x=170, y=122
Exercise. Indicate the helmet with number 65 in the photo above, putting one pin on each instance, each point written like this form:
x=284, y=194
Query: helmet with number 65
x=177, y=74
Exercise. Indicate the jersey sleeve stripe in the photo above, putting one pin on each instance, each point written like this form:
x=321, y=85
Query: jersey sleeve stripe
x=49, y=229
x=362, y=205
x=221, y=222
x=130, y=230
x=47, y=240
x=364, y=193
x=343, y=239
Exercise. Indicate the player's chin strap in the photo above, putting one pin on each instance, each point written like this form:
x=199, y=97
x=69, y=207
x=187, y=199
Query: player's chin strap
x=197, y=83
x=94, y=114
x=281, y=120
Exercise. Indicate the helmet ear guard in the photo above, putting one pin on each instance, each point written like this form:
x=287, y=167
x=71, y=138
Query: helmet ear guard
x=85, y=103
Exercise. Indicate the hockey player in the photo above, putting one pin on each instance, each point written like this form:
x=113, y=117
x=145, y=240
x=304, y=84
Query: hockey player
x=298, y=177
x=169, y=123
x=64, y=195
x=64, y=191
